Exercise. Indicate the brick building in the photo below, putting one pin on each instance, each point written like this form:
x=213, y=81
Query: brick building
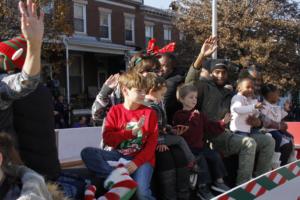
x=106, y=33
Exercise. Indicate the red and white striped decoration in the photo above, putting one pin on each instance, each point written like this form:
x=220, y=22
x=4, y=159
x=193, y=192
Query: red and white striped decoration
x=277, y=178
x=120, y=185
x=226, y=197
x=255, y=189
x=294, y=169
x=89, y=193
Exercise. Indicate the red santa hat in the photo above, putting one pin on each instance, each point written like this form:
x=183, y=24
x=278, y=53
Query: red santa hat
x=13, y=52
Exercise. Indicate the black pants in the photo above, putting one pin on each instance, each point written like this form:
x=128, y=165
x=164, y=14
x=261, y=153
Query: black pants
x=286, y=151
x=171, y=175
x=210, y=164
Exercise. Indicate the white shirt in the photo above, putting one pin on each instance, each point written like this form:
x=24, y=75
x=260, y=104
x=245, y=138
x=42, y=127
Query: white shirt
x=273, y=112
x=241, y=107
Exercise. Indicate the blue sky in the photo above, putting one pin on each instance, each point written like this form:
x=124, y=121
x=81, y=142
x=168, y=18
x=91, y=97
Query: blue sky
x=164, y=4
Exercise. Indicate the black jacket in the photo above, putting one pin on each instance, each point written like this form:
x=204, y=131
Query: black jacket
x=170, y=102
x=34, y=125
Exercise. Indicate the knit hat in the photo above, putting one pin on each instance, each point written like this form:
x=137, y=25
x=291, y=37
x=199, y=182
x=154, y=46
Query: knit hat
x=217, y=64
x=14, y=53
x=120, y=185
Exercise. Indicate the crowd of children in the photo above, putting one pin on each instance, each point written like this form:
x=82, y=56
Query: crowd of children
x=198, y=127
x=160, y=125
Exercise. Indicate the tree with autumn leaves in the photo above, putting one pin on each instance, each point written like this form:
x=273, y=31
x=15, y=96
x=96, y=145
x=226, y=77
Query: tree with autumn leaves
x=261, y=32
x=58, y=22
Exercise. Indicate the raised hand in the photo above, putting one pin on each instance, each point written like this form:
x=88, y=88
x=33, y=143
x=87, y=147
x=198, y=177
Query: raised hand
x=112, y=81
x=209, y=47
x=32, y=25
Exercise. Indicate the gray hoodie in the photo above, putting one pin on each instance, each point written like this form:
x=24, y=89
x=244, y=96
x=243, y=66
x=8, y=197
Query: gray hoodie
x=33, y=186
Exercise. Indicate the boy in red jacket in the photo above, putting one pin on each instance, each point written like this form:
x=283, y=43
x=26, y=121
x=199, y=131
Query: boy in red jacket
x=210, y=162
x=131, y=129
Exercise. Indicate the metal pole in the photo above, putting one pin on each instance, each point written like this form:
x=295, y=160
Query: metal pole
x=214, y=23
x=67, y=76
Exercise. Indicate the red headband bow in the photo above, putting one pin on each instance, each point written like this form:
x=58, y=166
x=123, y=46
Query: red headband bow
x=154, y=49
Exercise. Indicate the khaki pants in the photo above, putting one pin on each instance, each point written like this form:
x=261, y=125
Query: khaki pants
x=247, y=147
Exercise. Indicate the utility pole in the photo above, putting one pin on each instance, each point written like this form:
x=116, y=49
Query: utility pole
x=214, y=23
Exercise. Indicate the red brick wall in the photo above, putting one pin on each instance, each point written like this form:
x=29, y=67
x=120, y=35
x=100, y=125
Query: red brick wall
x=117, y=20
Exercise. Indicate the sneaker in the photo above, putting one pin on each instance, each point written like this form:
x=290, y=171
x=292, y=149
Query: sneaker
x=220, y=187
x=193, y=180
x=204, y=193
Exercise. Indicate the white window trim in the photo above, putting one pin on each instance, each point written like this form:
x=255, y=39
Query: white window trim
x=151, y=24
x=147, y=23
x=106, y=11
x=83, y=4
x=82, y=70
x=169, y=28
x=110, y=2
x=132, y=17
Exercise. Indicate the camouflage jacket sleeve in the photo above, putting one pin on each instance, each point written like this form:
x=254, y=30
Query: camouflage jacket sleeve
x=101, y=103
x=192, y=75
x=16, y=86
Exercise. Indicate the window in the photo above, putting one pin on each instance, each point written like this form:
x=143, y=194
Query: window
x=181, y=36
x=148, y=32
x=76, y=75
x=80, y=18
x=105, y=24
x=129, y=28
x=167, y=34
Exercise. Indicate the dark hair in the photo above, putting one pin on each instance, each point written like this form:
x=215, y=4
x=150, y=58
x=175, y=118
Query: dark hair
x=9, y=153
x=184, y=90
x=268, y=88
x=171, y=59
x=155, y=82
x=144, y=63
x=241, y=80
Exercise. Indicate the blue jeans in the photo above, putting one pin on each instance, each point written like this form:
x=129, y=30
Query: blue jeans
x=96, y=159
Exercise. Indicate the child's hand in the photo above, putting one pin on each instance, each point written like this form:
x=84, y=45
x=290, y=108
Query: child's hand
x=196, y=111
x=140, y=124
x=227, y=118
x=287, y=106
x=259, y=105
x=131, y=167
x=162, y=148
x=32, y=25
x=253, y=121
x=180, y=129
